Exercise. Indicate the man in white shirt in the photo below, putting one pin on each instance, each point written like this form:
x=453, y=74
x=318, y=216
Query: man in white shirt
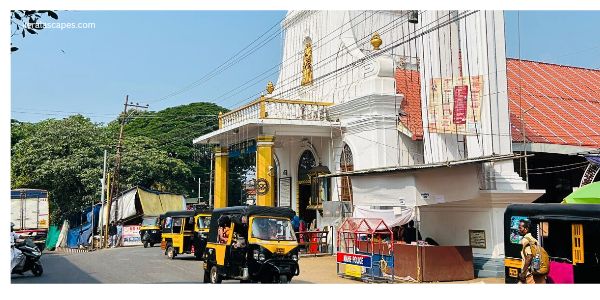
x=16, y=257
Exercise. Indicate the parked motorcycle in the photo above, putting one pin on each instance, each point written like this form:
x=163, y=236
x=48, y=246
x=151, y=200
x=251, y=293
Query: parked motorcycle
x=32, y=259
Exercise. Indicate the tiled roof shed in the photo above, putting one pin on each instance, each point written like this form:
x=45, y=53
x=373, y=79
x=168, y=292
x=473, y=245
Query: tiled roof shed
x=566, y=103
x=408, y=83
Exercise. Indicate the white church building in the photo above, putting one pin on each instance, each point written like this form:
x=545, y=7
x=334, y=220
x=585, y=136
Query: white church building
x=387, y=114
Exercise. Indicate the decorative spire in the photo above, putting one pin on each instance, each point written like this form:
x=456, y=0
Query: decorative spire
x=270, y=87
x=376, y=41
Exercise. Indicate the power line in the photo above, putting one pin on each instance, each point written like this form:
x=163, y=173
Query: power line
x=214, y=71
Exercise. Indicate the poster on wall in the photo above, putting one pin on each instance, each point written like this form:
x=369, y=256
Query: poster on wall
x=131, y=235
x=515, y=238
x=285, y=192
x=455, y=105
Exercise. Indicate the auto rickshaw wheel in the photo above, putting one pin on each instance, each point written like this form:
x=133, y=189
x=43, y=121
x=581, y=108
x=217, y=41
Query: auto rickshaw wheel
x=214, y=275
x=171, y=252
x=283, y=279
x=145, y=244
x=151, y=244
x=206, y=276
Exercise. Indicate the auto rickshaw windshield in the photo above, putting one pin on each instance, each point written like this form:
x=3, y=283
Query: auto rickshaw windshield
x=272, y=229
x=203, y=222
x=147, y=222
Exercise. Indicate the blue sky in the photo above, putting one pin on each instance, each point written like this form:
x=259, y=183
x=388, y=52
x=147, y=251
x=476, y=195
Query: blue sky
x=150, y=54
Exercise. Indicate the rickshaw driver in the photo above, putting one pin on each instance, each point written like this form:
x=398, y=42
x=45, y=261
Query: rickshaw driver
x=273, y=230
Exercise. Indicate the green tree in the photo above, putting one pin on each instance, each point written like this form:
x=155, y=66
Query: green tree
x=174, y=129
x=22, y=21
x=63, y=157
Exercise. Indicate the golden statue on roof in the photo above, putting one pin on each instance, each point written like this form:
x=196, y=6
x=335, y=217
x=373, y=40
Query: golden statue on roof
x=307, y=77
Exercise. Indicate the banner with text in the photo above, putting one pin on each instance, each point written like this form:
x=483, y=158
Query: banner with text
x=354, y=259
x=131, y=235
x=455, y=105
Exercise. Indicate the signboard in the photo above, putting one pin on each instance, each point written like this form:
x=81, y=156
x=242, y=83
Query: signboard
x=285, y=192
x=460, y=104
x=477, y=238
x=455, y=105
x=354, y=259
x=242, y=148
x=352, y=270
x=131, y=235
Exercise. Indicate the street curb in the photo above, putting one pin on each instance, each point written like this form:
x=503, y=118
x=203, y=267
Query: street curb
x=69, y=250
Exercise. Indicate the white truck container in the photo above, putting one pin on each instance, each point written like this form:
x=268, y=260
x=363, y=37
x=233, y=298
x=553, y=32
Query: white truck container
x=30, y=213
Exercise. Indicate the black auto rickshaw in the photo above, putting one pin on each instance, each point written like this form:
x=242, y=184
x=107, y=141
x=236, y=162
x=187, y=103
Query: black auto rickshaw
x=151, y=231
x=251, y=244
x=185, y=231
x=570, y=233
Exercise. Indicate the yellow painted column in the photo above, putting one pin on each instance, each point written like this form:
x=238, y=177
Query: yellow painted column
x=221, y=168
x=265, y=177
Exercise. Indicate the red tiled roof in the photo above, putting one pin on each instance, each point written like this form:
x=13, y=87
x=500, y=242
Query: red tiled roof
x=408, y=83
x=566, y=103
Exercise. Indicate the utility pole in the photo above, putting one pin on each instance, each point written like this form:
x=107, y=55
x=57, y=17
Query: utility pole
x=108, y=202
x=199, y=189
x=116, y=177
x=103, y=182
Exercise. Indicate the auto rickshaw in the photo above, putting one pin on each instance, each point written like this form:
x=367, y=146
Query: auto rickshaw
x=185, y=231
x=570, y=234
x=150, y=231
x=251, y=244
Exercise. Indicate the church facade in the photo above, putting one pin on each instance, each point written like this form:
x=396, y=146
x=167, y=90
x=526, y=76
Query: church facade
x=386, y=110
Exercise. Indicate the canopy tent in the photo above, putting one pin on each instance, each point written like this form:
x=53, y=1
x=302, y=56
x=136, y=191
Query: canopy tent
x=393, y=217
x=139, y=200
x=126, y=206
x=589, y=194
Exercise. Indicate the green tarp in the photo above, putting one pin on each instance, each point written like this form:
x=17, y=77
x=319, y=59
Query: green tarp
x=52, y=238
x=589, y=194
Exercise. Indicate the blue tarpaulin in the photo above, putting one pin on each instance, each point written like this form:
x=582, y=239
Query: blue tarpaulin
x=84, y=237
x=85, y=217
x=79, y=236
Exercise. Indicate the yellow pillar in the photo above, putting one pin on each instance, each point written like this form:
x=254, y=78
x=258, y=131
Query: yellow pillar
x=221, y=168
x=265, y=177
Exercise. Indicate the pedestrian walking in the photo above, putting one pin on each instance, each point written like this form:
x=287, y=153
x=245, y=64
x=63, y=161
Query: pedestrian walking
x=112, y=231
x=119, y=234
x=526, y=276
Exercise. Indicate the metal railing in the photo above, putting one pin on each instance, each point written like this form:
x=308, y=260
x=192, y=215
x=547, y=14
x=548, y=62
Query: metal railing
x=268, y=108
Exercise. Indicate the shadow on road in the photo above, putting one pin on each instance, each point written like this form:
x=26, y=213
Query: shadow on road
x=57, y=269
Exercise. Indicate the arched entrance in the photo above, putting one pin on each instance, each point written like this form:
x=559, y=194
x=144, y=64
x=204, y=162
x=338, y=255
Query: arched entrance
x=303, y=192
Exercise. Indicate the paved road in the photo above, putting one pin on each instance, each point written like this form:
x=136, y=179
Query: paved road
x=119, y=265
x=150, y=265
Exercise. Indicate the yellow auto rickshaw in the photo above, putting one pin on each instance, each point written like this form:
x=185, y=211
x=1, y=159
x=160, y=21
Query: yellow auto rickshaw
x=150, y=231
x=251, y=244
x=185, y=231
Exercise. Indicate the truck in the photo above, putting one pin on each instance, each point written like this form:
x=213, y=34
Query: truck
x=29, y=212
